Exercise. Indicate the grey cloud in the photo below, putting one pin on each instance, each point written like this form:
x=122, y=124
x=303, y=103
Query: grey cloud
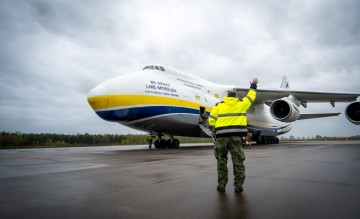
x=337, y=22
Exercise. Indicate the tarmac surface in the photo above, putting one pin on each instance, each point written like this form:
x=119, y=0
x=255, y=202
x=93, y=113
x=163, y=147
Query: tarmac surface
x=288, y=180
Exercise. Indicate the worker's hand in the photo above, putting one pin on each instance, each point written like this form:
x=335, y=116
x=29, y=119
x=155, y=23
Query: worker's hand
x=254, y=81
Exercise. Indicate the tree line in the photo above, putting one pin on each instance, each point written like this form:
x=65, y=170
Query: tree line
x=19, y=140
x=320, y=138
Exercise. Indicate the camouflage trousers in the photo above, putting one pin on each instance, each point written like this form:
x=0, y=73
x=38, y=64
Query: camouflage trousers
x=234, y=145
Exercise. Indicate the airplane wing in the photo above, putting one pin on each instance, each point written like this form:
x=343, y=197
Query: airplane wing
x=284, y=103
x=266, y=96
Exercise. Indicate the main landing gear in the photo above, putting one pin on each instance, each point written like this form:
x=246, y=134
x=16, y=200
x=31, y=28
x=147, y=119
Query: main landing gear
x=169, y=143
x=267, y=140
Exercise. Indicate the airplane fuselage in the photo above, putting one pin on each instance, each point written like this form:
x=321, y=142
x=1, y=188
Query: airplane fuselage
x=163, y=100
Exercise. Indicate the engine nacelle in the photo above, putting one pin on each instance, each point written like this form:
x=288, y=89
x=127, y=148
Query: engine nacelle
x=352, y=112
x=284, y=110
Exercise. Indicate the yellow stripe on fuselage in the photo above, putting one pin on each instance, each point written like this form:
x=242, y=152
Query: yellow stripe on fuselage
x=113, y=101
x=98, y=102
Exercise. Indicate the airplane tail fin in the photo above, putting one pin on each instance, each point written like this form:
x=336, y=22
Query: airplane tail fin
x=285, y=83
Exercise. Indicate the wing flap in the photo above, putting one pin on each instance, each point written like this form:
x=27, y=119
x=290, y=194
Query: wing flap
x=317, y=115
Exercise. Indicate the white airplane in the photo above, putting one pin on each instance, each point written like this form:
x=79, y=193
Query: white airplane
x=165, y=101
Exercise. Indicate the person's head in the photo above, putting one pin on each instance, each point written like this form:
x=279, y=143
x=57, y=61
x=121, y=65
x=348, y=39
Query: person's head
x=231, y=94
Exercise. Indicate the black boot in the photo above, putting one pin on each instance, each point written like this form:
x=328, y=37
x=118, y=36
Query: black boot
x=220, y=188
x=238, y=189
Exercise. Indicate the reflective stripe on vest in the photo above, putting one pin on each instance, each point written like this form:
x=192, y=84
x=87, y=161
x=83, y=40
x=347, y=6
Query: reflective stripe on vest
x=249, y=98
x=213, y=117
x=232, y=114
x=231, y=130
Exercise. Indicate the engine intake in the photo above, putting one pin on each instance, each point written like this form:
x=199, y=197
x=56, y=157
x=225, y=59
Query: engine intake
x=352, y=112
x=284, y=110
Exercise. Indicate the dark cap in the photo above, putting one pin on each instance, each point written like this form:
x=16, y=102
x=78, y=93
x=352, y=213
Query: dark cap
x=231, y=94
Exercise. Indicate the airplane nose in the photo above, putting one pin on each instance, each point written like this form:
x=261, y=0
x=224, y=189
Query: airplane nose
x=98, y=97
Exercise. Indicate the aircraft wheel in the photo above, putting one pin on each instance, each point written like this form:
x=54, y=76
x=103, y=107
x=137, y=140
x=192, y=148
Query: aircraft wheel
x=169, y=143
x=175, y=143
x=263, y=140
x=162, y=143
x=157, y=144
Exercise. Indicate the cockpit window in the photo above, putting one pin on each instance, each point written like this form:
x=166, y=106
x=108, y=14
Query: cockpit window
x=160, y=68
x=149, y=67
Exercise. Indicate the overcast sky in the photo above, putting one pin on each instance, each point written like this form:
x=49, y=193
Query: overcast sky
x=53, y=52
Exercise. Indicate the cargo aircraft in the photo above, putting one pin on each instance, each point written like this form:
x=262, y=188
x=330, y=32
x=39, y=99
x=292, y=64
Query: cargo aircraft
x=165, y=101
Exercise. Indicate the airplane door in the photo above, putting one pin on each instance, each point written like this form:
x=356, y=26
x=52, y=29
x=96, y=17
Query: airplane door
x=203, y=117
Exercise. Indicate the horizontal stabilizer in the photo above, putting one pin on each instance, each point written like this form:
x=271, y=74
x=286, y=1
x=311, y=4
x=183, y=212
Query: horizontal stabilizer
x=317, y=115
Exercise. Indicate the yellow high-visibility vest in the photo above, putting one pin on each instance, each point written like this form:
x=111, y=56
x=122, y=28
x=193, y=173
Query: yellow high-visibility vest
x=229, y=116
x=150, y=137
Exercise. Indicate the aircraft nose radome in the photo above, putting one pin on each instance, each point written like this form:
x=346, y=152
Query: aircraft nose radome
x=98, y=97
x=99, y=90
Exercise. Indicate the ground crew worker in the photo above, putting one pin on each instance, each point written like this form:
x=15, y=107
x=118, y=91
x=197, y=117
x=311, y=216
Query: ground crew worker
x=149, y=139
x=229, y=120
x=248, y=140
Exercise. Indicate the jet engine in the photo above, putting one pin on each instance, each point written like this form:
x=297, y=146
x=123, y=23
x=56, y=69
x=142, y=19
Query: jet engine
x=352, y=112
x=284, y=110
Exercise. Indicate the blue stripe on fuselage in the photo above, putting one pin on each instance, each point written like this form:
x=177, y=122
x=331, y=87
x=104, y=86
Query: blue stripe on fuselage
x=136, y=113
